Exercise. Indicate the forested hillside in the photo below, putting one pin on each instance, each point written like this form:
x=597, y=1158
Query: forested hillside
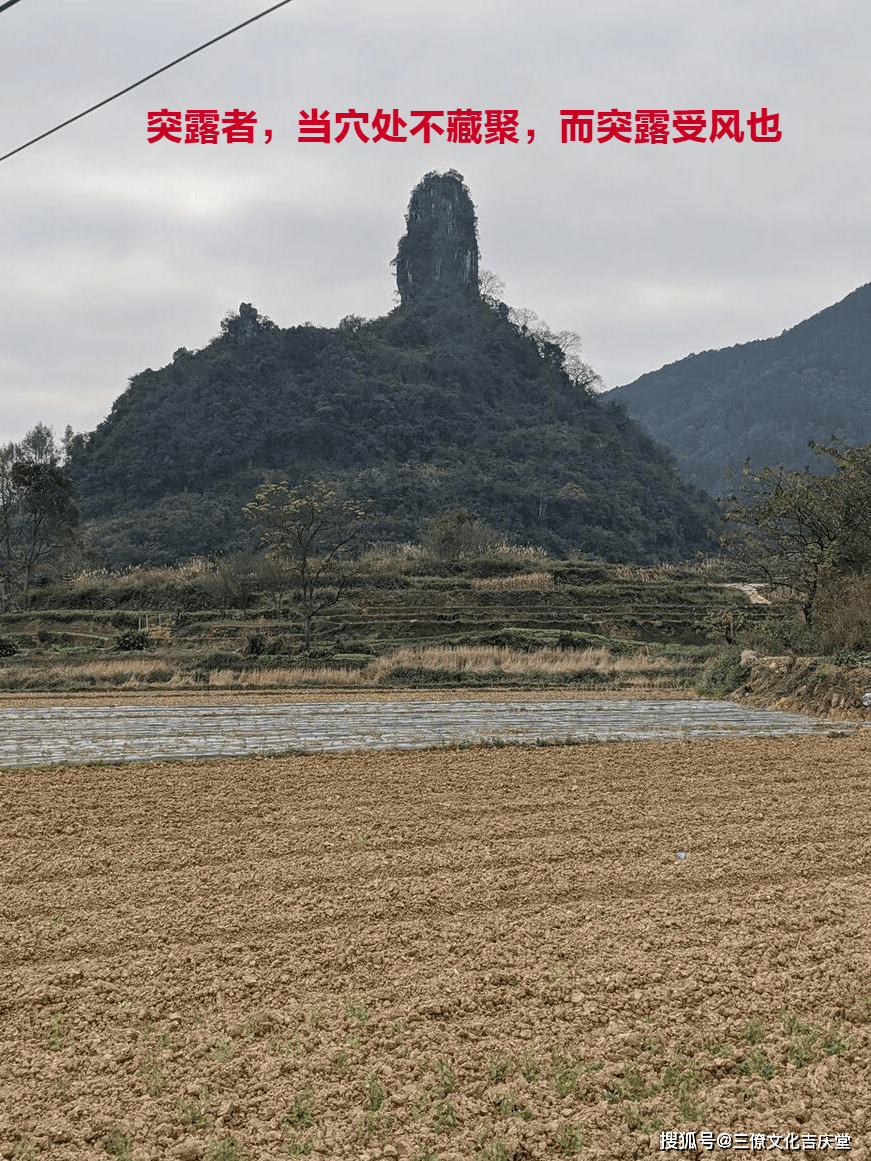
x=444, y=403
x=763, y=399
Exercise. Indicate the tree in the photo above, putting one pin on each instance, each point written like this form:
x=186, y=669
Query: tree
x=803, y=530
x=309, y=534
x=38, y=515
x=458, y=535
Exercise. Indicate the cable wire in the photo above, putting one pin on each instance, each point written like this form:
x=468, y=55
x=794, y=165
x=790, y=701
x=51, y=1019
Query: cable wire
x=136, y=84
x=8, y=4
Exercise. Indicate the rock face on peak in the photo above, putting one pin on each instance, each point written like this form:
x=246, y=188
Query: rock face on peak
x=439, y=250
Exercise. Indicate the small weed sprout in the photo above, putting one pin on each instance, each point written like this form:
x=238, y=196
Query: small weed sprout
x=425, y=1153
x=375, y=1093
x=56, y=1037
x=509, y=1105
x=222, y=1051
x=195, y=1113
x=300, y=1115
x=638, y=1121
x=118, y=1144
x=756, y=1063
x=633, y=1086
x=564, y=1074
x=153, y=1077
x=495, y=1151
x=808, y=1043
x=445, y=1116
x=340, y=1063
x=571, y=1139
x=753, y=1031
x=446, y=1082
x=529, y=1069
x=300, y=1147
x=499, y=1067
x=356, y=1010
x=227, y=1149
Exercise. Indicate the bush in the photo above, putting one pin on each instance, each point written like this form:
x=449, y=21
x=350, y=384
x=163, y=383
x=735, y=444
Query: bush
x=8, y=648
x=256, y=644
x=778, y=635
x=133, y=639
x=842, y=614
x=723, y=673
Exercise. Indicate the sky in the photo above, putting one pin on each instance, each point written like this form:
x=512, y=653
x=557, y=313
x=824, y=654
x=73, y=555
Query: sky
x=117, y=251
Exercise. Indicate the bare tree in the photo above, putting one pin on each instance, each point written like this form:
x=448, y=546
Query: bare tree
x=309, y=533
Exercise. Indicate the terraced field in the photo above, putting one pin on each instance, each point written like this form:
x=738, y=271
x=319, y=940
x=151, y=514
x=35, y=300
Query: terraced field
x=479, y=955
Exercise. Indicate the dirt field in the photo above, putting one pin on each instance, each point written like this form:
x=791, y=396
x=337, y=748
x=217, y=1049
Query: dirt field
x=482, y=954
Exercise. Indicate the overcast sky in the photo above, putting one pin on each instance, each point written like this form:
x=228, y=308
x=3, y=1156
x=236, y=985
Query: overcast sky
x=115, y=252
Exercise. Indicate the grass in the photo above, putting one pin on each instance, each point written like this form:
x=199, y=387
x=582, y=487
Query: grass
x=445, y=1117
x=529, y=1069
x=195, y=1113
x=153, y=1077
x=510, y=1105
x=118, y=1144
x=227, y=1149
x=375, y=1094
x=499, y=1067
x=808, y=1042
x=356, y=1009
x=535, y=657
x=56, y=1038
x=565, y=1073
x=301, y=1115
x=495, y=1151
x=571, y=1139
x=753, y=1031
x=446, y=1081
x=425, y=1153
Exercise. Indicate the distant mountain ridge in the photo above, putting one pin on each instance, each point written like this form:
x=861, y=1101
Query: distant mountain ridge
x=764, y=399
x=444, y=403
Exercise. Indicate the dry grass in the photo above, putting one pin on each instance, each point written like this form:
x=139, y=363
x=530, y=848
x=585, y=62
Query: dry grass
x=442, y=663
x=283, y=678
x=526, y=581
x=487, y=659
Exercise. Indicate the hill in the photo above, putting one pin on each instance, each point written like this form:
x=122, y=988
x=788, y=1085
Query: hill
x=764, y=399
x=443, y=403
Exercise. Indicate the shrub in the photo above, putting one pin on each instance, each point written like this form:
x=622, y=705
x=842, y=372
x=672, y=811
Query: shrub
x=724, y=673
x=8, y=648
x=842, y=614
x=132, y=639
x=256, y=644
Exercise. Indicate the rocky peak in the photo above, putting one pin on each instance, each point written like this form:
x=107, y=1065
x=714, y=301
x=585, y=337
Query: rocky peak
x=439, y=250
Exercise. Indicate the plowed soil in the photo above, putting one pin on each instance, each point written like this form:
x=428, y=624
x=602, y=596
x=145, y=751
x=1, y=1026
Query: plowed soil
x=476, y=954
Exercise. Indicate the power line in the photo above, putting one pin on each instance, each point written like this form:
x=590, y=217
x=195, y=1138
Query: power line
x=8, y=4
x=136, y=84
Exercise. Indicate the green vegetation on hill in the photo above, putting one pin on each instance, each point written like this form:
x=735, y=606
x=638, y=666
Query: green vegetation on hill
x=763, y=399
x=514, y=619
x=450, y=401
x=438, y=405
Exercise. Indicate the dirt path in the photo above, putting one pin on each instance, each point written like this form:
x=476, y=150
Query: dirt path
x=482, y=955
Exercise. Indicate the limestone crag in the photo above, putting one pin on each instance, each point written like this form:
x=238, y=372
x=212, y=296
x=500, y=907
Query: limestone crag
x=439, y=250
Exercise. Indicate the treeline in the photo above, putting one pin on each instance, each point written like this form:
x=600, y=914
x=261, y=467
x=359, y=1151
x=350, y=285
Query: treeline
x=763, y=400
